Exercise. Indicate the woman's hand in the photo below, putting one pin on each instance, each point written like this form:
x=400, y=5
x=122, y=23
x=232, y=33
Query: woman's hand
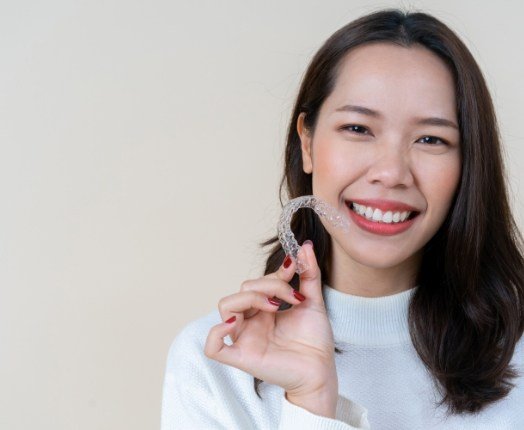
x=293, y=348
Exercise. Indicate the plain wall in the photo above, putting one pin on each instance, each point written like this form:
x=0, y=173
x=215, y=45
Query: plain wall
x=141, y=151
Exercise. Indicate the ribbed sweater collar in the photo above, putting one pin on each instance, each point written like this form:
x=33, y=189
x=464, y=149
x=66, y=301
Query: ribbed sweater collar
x=368, y=321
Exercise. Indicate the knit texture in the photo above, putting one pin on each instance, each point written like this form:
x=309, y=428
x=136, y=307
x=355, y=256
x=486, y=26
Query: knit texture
x=382, y=382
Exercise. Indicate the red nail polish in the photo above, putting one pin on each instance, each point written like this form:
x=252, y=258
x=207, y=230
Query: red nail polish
x=287, y=261
x=274, y=301
x=232, y=319
x=298, y=295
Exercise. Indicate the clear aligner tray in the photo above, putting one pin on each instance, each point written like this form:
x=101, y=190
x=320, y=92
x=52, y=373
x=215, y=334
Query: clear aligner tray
x=286, y=236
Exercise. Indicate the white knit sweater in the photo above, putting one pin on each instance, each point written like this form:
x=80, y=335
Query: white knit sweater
x=382, y=382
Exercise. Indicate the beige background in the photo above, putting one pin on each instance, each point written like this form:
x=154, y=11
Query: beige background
x=141, y=148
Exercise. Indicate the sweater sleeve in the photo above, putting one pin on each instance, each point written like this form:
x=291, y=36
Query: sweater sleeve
x=349, y=416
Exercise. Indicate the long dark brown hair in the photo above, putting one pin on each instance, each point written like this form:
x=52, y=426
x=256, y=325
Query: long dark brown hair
x=466, y=315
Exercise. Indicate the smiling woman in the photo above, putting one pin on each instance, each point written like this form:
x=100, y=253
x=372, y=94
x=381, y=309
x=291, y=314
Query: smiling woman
x=413, y=317
x=392, y=159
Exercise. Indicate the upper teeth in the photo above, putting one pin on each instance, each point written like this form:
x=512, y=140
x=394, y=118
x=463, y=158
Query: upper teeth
x=377, y=215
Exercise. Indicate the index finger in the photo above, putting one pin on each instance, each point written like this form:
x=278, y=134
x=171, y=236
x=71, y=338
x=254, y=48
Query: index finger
x=285, y=273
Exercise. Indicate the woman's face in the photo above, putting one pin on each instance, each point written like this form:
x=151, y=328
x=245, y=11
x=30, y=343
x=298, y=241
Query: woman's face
x=387, y=135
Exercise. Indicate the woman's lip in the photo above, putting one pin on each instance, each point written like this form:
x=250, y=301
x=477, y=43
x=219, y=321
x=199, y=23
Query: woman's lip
x=384, y=205
x=380, y=228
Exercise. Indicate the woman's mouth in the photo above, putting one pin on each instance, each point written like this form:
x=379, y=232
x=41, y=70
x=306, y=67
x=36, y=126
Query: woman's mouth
x=377, y=215
x=381, y=222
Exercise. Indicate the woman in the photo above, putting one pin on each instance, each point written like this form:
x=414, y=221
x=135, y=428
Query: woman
x=412, y=319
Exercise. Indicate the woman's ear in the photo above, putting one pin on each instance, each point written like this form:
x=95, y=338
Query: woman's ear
x=305, y=144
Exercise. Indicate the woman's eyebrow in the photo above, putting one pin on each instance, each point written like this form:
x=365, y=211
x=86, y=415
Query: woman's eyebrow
x=424, y=121
x=359, y=109
x=437, y=121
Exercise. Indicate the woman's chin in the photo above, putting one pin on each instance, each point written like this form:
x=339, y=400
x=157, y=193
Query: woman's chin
x=377, y=258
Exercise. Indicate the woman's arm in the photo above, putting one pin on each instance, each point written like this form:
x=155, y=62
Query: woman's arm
x=197, y=394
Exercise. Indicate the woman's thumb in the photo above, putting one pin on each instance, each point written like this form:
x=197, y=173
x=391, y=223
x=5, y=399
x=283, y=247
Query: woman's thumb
x=311, y=278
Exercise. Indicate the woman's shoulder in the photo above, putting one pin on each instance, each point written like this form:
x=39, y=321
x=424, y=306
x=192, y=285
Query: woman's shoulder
x=191, y=338
x=186, y=357
x=188, y=370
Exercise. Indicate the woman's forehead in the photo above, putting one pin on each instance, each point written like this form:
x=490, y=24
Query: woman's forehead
x=384, y=75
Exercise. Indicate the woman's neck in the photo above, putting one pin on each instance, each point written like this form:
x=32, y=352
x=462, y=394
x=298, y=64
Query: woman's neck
x=351, y=277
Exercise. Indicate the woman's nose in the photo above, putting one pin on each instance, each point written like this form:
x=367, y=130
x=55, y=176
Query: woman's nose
x=391, y=167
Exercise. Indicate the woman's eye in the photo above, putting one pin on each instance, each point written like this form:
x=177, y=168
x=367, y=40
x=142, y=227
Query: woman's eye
x=432, y=140
x=355, y=129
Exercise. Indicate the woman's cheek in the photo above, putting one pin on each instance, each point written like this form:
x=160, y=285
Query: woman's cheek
x=440, y=181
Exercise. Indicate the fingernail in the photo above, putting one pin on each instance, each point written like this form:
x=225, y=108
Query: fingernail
x=274, y=301
x=232, y=319
x=287, y=262
x=298, y=295
x=308, y=242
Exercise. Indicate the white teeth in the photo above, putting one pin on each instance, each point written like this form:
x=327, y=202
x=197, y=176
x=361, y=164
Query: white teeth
x=388, y=217
x=377, y=215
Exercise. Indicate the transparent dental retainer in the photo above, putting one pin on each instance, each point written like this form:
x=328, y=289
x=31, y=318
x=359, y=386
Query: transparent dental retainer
x=286, y=236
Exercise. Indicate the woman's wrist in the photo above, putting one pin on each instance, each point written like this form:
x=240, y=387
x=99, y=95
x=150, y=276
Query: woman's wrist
x=322, y=402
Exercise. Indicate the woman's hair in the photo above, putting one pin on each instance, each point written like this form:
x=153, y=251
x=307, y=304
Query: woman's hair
x=466, y=315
